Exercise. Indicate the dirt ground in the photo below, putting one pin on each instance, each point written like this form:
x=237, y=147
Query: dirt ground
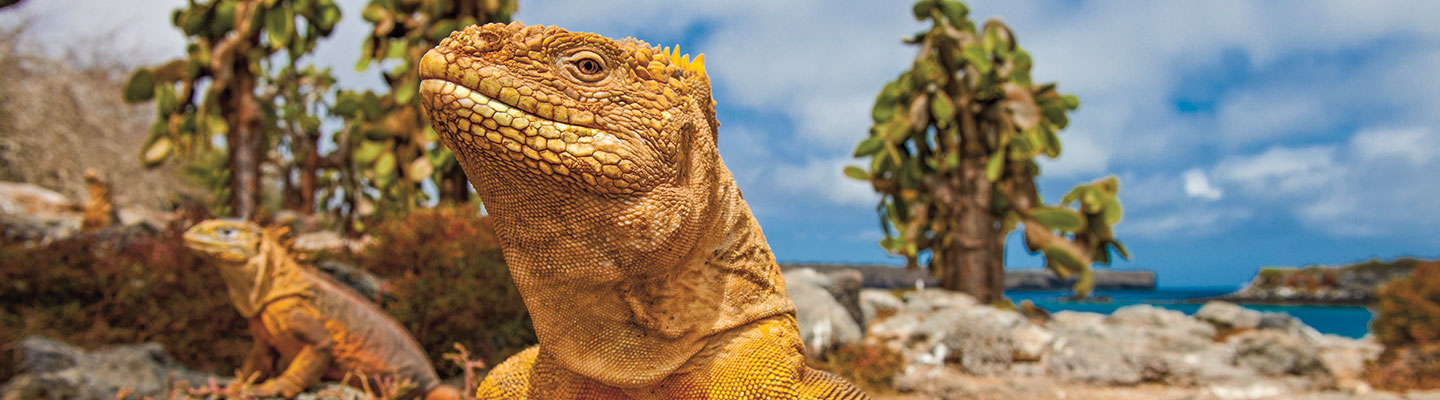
x=955, y=385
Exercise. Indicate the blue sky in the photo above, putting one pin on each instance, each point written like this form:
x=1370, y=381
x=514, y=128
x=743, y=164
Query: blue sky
x=1245, y=134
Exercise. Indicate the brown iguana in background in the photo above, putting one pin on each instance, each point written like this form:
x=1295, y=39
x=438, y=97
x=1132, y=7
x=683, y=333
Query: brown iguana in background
x=644, y=271
x=100, y=207
x=306, y=326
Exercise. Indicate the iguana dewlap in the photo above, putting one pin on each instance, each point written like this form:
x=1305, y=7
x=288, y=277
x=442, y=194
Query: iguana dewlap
x=643, y=269
x=306, y=326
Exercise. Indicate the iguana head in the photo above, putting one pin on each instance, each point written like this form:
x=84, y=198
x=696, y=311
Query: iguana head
x=597, y=158
x=225, y=240
x=255, y=266
x=576, y=110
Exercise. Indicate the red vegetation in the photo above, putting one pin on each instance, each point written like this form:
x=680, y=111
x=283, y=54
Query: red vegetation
x=120, y=285
x=1408, y=324
x=447, y=283
x=870, y=367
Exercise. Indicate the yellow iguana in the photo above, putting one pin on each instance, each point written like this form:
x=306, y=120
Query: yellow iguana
x=306, y=325
x=642, y=267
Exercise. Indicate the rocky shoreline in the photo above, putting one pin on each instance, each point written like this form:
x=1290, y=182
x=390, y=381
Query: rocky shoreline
x=956, y=348
x=1350, y=285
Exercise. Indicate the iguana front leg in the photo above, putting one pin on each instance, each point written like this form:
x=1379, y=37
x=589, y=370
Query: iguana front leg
x=258, y=365
x=296, y=324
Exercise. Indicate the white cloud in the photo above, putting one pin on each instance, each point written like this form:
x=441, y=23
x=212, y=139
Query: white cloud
x=825, y=179
x=1258, y=116
x=1197, y=185
x=1183, y=222
x=1281, y=170
x=1381, y=182
x=1080, y=156
x=1414, y=146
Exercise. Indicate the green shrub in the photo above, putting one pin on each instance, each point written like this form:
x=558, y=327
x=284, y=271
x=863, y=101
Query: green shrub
x=120, y=285
x=1407, y=323
x=446, y=281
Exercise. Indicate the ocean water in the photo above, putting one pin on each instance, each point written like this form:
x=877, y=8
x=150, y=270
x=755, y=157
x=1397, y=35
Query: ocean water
x=1349, y=321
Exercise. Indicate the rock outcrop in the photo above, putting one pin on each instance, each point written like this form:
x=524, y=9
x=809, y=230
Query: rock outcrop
x=1346, y=285
x=55, y=370
x=33, y=214
x=51, y=370
x=1229, y=349
x=825, y=322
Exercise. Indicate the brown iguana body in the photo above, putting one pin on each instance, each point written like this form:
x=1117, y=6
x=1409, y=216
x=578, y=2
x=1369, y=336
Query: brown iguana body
x=99, y=209
x=642, y=267
x=306, y=326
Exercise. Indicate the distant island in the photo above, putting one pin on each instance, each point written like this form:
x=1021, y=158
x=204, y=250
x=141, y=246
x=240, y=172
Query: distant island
x=1353, y=284
x=879, y=276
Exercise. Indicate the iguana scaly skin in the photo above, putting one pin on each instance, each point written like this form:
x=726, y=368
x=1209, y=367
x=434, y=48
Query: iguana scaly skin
x=642, y=267
x=306, y=325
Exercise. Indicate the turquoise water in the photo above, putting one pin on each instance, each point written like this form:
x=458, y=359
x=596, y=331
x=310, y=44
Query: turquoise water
x=1349, y=321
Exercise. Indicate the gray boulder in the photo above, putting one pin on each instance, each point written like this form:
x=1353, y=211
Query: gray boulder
x=30, y=213
x=924, y=301
x=1093, y=356
x=55, y=370
x=1137, y=344
x=1273, y=353
x=876, y=304
x=1290, y=325
x=361, y=281
x=1226, y=316
x=980, y=339
x=936, y=326
x=824, y=322
x=51, y=370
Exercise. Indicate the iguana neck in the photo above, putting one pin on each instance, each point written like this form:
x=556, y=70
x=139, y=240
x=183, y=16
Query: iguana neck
x=266, y=277
x=657, y=273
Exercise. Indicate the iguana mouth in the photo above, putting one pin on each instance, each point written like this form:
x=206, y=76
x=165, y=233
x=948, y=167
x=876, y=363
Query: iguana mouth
x=481, y=121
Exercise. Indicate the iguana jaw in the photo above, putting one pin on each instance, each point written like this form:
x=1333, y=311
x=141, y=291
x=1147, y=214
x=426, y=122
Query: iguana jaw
x=507, y=135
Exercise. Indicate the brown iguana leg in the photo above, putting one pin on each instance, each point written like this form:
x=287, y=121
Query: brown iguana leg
x=260, y=364
x=296, y=321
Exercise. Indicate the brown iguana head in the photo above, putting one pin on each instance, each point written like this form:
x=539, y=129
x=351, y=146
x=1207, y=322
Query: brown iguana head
x=250, y=259
x=597, y=159
x=551, y=125
x=225, y=240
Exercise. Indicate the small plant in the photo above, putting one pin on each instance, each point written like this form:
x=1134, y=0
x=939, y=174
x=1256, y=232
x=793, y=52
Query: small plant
x=461, y=358
x=1407, y=323
x=871, y=367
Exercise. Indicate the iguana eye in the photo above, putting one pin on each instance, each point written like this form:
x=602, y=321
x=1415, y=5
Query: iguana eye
x=227, y=233
x=586, y=66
